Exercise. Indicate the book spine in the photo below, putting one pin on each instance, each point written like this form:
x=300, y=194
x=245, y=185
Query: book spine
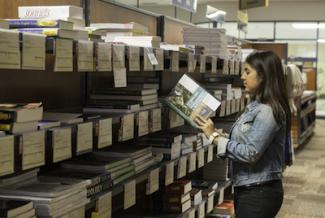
x=45, y=31
x=33, y=23
x=95, y=189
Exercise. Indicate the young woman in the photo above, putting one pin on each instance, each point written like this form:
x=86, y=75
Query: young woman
x=257, y=139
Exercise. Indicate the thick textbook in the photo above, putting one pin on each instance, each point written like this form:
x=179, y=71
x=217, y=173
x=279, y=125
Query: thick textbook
x=190, y=100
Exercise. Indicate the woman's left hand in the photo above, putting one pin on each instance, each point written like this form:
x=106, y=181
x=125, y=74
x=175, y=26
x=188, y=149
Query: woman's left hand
x=207, y=126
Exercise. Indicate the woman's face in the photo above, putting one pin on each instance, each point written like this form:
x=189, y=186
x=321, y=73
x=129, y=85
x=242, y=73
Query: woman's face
x=250, y=79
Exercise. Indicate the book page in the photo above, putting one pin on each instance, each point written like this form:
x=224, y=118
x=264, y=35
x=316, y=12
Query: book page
x=134, y=58
x=120, y=77
x=181, y=169
x=169, y=173
x=200, y=158
x=127, y=127
x=155, y=120
x=191, y=62
x=175, y=61
x=160, y=59
x=210, y=153
x=153, y=181
x=33, y=51
x=202, y=63
x=85, y=56
x=192, y=162
x=104, y=56
x=63, y=55
x=214, y=64
x=105, y=133
x=143, y=123
x=129, y=194
x=9, y=49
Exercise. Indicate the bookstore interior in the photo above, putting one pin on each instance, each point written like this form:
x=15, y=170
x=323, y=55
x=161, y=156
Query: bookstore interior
x=169, y=108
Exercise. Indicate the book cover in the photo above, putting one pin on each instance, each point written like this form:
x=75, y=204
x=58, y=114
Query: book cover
x=39, y=23
x=190, y=100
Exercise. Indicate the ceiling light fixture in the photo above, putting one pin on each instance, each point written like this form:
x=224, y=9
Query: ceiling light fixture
x=308, y=26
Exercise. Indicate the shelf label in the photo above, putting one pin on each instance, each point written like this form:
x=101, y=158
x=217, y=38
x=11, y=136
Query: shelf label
x=201, y=210
x=214, y=61
x=155, y=120
x=221, y=195
x=134, y=58
x=104, y=56
x=34, y=54
x=129, y=194
x=85, y=56
x=175, y=61
x=191, y=62
x=85, y=137
x=210, y=153
x=181, y=169
x=153, y=181
x=202, y=63
x=192, y=162
x=143, y=124
x=118, y=56
x=63, y=55
x=127, y=127
x=105, y=133
x=9, y=49
x=169, y=176
x=160, y=59
x=210, y=204
x=200, y=158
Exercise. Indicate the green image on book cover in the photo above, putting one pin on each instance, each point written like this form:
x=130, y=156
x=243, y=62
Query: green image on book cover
x=190, y=100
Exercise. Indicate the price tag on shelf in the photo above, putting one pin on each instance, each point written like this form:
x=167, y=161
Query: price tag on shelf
x=105, y=133
x=181, y=169
x=129, y=194
x=169, y=175
x=33, y=51
x=175, y=61
x=120, y=77
x=85, y=56
x=201, y=210
x=127, y=127
x=63, y=55
x=118, y=57
x=153, y=181
x=214, y=64
x=191, y=62
x=143, y=124
x=160, y=59
x=134, y=58
x=155, y=120
x=9, y=49
x=192, y=162
x=200, y=158
x=210, y=153
x=202, y=63
x=104, y=56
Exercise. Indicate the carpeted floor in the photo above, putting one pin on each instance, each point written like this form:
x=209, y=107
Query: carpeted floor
x=304, y=182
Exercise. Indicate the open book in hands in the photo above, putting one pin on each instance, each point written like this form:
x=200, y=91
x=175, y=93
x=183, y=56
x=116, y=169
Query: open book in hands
x=189, y=100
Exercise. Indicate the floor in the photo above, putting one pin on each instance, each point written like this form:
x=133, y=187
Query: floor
x=304, y=182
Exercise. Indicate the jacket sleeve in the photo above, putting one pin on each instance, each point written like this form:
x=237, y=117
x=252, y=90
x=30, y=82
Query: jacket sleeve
x=259, y=137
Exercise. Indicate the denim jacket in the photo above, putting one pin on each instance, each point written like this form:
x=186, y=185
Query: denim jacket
x=256, y=146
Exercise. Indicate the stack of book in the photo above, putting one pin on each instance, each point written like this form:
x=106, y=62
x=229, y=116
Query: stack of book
x=177, y=196
x=16, y=208
x=225, y=209
x=19, y=118
x=128, y=99
x=53, y=21
x=190, y=143
x=97, y=182
x=141, y=156
x=169, y=144
x=109, y=31
x=216, y=170
x=118, y=168
x=213, y=40
x=51, y=199
x=140, y=41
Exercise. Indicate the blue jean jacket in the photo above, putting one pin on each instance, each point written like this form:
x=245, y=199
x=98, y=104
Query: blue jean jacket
x=256, y=146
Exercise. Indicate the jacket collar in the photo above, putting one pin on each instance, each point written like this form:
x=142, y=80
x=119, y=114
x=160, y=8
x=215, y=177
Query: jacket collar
x=252, y=105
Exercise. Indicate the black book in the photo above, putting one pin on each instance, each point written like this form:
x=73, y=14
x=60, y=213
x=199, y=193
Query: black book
x=125, y=91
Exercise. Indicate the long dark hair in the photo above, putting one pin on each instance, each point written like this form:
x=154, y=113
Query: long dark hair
x=272, y=90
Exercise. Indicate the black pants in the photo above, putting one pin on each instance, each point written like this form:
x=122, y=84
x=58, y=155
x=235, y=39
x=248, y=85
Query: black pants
x=259, y=201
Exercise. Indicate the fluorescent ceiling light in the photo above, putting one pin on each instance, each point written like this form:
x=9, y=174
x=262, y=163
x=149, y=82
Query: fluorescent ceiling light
x=308, y=26
x=321, y=40
x=216, y=14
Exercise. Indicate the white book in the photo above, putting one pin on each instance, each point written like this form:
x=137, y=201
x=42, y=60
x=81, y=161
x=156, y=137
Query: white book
x=67, y=11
